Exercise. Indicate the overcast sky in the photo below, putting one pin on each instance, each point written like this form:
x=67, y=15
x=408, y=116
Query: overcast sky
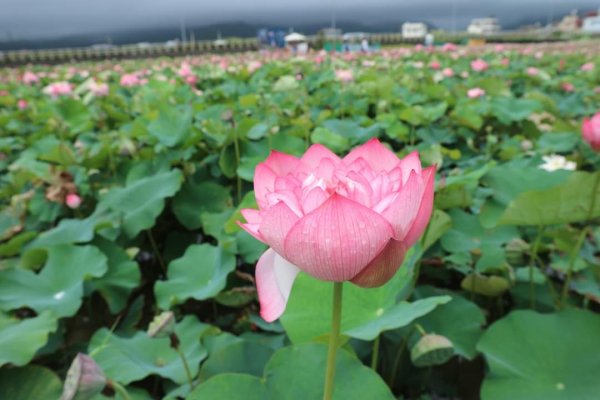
x=27, y=19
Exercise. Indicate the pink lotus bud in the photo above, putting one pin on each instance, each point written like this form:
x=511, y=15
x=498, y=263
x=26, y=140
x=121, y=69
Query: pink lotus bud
x=22, y=104
x=448, y=72
x=532, y=71
x=85, y=379
x=448, y=47
x=479, y=65
x=98, y=89
x=476, y=92
x=129, y=80
x=587, y=67
x=72, y=200
x=505, y=61
x=435, y=65
x=337, y=219
x=591, y=131
x=191, y=80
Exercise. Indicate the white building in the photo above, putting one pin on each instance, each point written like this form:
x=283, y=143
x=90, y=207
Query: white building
x=414, y=30
x=483, y=26
x=569, y=23
x=591, y=24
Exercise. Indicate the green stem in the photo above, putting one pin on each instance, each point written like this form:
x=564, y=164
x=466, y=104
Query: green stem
x=120, y=390
x=565, y=289
x=333, y=340
x=186, y=367
x=236, y=147
x=398, y=358
x=375, y=357
x=534, y=251
x=156, y=252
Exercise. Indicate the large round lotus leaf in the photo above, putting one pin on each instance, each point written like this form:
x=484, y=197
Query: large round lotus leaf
x=141, y=201
x=20, y=340
x=59, y=286
x=365, y=312
x=128, y=359
x=542, y=356
x=200, y=273
x=231, y=387
x=29, y=383
x=240, y=357
x=297, y=373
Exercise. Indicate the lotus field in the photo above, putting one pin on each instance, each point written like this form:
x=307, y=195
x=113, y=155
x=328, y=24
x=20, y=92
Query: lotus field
x=409, y=224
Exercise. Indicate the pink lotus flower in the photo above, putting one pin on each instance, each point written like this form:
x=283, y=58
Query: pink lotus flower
x=448, y=47
x=479, y=65
x=73, y=200
x=98, y=89
x=532, y=71
x=191, y=80
x=499, y=48
x=350, y=219
x=185, y=70
x=344, y=75
x=448, y=72
x=22, y=104
x=591, y=131
x=30, y=78
x=587, y=67
x=567, y=86
x=435, y=65
x=4, y=93
x=475, y=92
x=57, y=89
x=129, y=80
x=253, y=66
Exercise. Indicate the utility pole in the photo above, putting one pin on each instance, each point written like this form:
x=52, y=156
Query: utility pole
x=182, y=29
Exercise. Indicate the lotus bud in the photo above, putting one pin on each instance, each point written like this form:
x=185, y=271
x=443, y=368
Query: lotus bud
x=515, y=251
x=163, y=325
x=431, y=350
x=84, y=379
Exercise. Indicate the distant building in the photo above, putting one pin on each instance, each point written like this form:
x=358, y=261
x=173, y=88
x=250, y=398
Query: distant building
x=570, y=23
x=591, y=24
x=414, y=30
x=331, y=33
x=484, y=26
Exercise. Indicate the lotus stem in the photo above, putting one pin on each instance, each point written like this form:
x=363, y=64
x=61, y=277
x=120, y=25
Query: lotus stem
x=333, y=340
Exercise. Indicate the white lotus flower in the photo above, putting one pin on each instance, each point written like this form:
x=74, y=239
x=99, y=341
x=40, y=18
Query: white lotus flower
x=555, y=162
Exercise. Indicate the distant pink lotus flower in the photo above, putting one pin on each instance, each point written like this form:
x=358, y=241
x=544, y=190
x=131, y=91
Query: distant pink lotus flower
x=30, y=78
x=72, y=200
x=448, y=72
x=533, y=71
x=22, y=104
x=350, y=219
x=368, y=63
x=587, y=67
x=567, y=87
x=475, y=92
x=591, y=131
x=185, y=70
x=98, y=89
x=505, y=61
x=129, y=80
x=435, y=65
x=344, y=75
x=419, y=47
x=191, y=80
x=58, y=89
x=464, y=74
x=253, y=66
x=3, y=93
x=448, y=47
x=479, y=65
x=499, y=48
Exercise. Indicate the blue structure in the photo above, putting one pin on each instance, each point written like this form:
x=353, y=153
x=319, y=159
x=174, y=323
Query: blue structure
x=271, y=37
